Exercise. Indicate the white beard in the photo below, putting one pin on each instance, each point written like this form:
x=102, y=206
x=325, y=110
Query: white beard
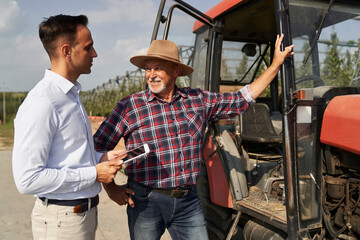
x=159, y=88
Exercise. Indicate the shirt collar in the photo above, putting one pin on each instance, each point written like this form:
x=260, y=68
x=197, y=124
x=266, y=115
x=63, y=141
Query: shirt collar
x=151, y=96
x=64, y=84
x=180, y=92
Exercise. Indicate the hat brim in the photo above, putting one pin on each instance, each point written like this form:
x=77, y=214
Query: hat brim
x=140, y=60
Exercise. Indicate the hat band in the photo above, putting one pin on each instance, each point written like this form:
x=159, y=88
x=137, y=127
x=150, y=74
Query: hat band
x=163, y=56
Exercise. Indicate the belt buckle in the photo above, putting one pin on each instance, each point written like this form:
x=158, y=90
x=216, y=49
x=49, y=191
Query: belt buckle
x=177, y=193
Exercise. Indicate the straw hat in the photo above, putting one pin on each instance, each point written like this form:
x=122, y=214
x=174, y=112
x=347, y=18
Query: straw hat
x=162, y=50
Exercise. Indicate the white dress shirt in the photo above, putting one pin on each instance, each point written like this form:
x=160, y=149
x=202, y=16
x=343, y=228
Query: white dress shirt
x=53, y=154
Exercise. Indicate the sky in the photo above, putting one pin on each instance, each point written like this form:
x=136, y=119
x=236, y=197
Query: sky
x=120, y=30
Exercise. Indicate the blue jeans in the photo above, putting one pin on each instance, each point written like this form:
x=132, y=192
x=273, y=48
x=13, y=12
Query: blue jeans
x=153, y=212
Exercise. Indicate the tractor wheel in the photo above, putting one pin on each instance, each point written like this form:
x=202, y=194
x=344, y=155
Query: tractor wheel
x=218, y=219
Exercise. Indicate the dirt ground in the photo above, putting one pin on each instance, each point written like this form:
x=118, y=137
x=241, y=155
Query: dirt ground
x=95, y=123
x=3, y=146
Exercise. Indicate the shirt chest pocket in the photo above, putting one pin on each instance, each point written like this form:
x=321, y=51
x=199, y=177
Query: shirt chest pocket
x=195, y=124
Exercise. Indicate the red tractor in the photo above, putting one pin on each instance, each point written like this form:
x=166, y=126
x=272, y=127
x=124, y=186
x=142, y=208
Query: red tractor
x=288, y=168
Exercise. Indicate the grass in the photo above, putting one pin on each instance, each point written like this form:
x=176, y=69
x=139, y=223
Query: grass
x=7, y=135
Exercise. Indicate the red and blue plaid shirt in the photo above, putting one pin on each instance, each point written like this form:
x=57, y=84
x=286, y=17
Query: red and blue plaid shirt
x=174, y=131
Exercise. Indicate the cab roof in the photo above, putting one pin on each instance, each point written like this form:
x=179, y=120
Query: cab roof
x=245, y=20
x=217, y=10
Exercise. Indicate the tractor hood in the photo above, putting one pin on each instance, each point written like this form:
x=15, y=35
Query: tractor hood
x=341, y=123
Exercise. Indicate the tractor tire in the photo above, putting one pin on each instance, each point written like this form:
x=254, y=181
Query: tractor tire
x=218, y=219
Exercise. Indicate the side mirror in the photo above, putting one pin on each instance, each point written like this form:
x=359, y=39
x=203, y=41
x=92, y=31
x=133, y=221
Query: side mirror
x=249, y=49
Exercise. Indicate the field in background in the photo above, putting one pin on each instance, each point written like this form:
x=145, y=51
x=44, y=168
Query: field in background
x=7, y=133
x=6, y=136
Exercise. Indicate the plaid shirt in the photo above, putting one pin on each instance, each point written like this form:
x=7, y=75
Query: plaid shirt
x=174, y=131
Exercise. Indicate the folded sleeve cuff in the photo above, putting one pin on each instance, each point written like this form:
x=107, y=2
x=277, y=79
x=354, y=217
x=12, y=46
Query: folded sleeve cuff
x=247, y=94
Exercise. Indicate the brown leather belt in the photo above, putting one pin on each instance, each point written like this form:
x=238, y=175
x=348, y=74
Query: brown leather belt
x=80, y=205
x=175, y=193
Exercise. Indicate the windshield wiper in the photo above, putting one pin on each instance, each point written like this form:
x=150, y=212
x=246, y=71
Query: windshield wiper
x=315, y=36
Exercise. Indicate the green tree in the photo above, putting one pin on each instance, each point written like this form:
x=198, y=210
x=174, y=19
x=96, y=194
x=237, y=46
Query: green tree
x=347, y=69
x=225, y=70
x=101, y=100
x=355, y=76
x=305, y=68
x=243, y=66
x=332, y=63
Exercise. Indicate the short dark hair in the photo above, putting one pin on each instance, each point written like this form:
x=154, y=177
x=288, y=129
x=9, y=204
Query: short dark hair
x=59, y=26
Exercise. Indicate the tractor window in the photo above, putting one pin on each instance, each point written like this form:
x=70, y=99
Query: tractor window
x=192, y=46
x=199, y=60
x=180, y=32
x=326, y=45
x=241, y=62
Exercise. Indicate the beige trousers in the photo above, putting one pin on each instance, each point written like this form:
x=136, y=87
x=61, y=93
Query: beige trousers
x=54, y=222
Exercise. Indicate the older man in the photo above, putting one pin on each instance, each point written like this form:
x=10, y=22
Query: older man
x=161, y=189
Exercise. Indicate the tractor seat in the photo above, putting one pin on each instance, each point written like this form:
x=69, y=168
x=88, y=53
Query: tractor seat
x=256, y=125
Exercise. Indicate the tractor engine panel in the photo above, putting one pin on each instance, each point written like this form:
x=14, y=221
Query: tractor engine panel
x=341, y=123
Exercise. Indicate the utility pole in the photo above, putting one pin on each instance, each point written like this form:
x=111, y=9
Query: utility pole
x=4, y=104
x=4, y=107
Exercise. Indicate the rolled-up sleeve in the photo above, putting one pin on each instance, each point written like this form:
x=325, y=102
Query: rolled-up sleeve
x=247, y=94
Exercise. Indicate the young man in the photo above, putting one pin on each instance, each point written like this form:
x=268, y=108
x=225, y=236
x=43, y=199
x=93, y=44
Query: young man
x=172, y=121
x=53, y=154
